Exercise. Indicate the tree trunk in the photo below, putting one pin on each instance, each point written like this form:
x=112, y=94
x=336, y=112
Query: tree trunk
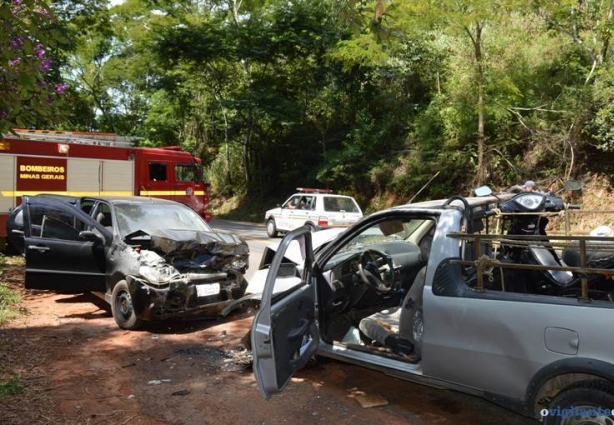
x=481, y=171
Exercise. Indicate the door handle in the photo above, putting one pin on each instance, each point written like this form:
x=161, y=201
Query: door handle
x=39, y=248
x=296, y=333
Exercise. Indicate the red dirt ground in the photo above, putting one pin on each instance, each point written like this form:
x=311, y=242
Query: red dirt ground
x=77, y=367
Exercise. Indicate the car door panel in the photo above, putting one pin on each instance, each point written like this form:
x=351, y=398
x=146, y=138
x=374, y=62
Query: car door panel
x=57, y=259
x=284, y=335
x=497, y=341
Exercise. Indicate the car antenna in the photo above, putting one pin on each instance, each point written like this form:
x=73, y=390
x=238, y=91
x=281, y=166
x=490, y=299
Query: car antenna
x=423, y=187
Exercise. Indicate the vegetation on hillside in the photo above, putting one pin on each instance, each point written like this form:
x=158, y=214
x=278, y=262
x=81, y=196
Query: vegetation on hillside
x=369, y=98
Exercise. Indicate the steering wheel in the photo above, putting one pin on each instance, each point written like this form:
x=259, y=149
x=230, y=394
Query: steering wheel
x=371, y=268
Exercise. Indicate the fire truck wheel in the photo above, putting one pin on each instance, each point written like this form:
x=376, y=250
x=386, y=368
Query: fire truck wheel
x=122, y=309
x=271, y=228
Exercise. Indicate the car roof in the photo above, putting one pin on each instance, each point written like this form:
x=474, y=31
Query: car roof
x=331, y=195
x=63, y=198
x=132, y=200
x=472, y=201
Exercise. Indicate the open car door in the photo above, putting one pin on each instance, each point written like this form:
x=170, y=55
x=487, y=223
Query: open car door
x=62, y=253
x=284, y=334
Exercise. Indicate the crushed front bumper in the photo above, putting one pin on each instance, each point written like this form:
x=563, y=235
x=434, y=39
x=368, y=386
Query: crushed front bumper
x=204, y=295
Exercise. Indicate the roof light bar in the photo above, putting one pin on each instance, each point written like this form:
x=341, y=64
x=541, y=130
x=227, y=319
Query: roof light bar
x=313, y=190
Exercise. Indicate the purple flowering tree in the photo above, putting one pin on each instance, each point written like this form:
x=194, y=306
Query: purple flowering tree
x=29, y=91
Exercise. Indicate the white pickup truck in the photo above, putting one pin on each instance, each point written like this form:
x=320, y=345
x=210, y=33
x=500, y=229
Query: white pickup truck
x=423, y=292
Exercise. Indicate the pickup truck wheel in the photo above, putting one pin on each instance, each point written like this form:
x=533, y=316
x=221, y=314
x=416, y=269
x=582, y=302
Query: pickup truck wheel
x=122, y=308
x=271, y=228
x=583, y=403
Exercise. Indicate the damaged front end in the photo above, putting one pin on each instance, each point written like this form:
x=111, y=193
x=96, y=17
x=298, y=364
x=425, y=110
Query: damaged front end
x=183, y=273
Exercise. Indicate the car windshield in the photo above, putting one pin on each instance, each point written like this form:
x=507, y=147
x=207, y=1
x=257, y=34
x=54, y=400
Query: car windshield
x=152, y=217
x=340, y=204
x=385, y=231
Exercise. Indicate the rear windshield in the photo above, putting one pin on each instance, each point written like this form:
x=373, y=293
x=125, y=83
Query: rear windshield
x=340, y=204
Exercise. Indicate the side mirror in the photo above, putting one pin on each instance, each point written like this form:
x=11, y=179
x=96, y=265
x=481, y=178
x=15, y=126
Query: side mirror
x=88, y=235
x=483, y=191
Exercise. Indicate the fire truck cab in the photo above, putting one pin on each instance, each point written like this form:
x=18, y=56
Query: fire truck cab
x=95, y=164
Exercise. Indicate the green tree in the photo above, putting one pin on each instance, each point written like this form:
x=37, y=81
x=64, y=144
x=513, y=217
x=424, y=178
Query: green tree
x=29, y=85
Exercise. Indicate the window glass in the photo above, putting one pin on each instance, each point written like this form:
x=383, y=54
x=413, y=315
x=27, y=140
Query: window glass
x=86, y=205
x=340, y=204
x=186, y=173
x=157, y=171
x=53, y=223
x=150, y=218
x=300, y=202
x=102, y=215
x=409, y=230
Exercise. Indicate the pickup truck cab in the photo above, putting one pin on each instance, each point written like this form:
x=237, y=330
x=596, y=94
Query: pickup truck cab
x=403, y=291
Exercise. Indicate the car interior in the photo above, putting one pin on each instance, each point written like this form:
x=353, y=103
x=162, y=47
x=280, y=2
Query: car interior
x=374, y=286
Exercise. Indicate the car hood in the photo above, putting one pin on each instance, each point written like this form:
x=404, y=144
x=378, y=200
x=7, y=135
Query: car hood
x=188, y=249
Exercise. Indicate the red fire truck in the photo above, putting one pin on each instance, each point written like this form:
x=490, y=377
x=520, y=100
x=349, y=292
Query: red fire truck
x=86, y=164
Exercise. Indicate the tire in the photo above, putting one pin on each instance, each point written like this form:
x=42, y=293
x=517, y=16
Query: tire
x=122, y=308
x=589, y=396
x=271, y=228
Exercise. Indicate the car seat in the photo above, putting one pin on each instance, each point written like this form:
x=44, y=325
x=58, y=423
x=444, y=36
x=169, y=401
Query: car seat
x=404, y=321
x=104, y=219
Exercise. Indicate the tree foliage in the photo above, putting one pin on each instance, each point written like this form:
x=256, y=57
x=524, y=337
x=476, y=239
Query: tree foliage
x=29, y=85
x=369, y=97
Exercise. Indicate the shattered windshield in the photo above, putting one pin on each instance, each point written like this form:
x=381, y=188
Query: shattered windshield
x=150, y=218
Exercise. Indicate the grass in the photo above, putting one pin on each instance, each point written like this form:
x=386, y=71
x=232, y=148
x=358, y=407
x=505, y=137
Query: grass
x=10, y=387
x=9, y=297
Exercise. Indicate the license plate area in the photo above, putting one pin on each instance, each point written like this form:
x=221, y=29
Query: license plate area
x=207, y=290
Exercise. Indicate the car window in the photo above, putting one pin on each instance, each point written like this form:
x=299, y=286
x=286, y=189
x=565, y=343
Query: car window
x=57, y=229
x=86, y=205
x=340, y=204
x=102, y=214
x=51, y=222
x=186, y=173
x=150, y=218
x=387, y=231
x=157, y=171
x=19, y=219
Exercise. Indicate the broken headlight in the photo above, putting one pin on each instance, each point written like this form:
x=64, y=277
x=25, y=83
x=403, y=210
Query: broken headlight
x=158, y=274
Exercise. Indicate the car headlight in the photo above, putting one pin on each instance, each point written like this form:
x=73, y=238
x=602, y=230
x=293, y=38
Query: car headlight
x=530, y=201
x=239, y=264
x=159, y=274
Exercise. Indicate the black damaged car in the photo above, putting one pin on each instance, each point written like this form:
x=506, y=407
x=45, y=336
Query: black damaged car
x=153, y=259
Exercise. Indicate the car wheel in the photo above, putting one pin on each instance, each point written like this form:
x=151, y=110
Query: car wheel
x=122, y=308
x=584, y=403
x=271, y=228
